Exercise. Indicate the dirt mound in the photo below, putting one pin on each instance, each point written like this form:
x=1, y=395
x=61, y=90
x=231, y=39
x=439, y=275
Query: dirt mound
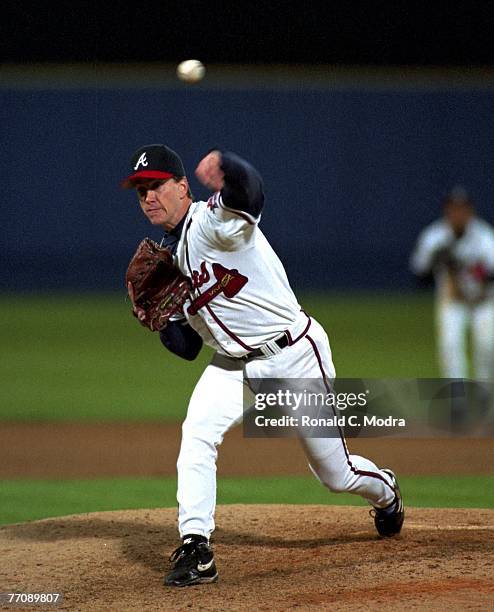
x=269, y=558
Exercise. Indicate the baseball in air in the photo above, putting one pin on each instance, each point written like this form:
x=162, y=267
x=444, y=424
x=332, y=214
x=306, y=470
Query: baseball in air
x=191, y=71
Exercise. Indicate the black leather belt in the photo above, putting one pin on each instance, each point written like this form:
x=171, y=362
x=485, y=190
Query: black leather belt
x=281, y=342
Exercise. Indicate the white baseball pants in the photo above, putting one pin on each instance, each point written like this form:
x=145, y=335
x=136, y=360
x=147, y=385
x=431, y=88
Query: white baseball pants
x=454, y=320
x=216, y=406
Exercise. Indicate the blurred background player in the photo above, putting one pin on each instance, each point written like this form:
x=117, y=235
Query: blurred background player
x=458, y=252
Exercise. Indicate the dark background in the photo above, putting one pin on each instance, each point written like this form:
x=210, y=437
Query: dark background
x=360, y=116
x=383, y=33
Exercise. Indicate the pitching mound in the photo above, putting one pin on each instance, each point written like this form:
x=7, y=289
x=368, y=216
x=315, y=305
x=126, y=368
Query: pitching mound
x=269, y=558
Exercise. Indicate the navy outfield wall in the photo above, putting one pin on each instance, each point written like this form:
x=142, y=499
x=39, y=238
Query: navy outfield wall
x=351, y=175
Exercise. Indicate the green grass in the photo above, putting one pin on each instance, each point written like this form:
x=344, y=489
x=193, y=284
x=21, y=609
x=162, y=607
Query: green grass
x=378, y=336
x=86, y=358
x=22, y=500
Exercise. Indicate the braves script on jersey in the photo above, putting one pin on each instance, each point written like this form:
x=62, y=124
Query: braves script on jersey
x=231, y=264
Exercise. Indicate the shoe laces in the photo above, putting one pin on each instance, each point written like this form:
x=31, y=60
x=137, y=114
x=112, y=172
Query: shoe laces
x=185, y=553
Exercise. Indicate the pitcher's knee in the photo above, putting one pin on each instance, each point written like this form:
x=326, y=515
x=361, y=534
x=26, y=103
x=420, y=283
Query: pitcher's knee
x=335, y=482
x=336, y=486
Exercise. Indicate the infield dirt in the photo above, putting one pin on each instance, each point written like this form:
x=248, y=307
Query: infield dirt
x=269, y=558
x=90, y=450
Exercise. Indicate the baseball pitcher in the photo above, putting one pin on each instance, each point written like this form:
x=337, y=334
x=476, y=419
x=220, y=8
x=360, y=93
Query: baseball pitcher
x=229, y=289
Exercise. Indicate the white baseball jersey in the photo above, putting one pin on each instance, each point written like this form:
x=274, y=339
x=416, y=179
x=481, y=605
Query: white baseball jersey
x=241, y=297
x=240, y=301
x=476, y=246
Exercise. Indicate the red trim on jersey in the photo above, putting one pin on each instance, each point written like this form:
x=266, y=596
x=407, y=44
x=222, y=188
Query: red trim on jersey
x=228, y=331
x=236, y=212
x=291, y=341
x=198, y=291
x=342, y=437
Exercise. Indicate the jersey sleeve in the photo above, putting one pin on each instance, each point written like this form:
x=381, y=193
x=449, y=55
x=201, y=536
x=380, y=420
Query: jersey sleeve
x=488, y=252
x=225, y=213
x=228, y=229
x=243, y=190
x=429, y=242
x=232, y=214
x=179, y=338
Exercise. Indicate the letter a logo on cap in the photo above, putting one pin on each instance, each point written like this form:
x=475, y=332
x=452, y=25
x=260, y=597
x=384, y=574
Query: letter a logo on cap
x=142, y=160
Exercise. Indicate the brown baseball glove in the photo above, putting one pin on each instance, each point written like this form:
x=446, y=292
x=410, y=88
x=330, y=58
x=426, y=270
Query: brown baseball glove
x=156, y=286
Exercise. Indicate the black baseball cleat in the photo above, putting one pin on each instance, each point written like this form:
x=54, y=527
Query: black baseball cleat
x=193, y=563
x=389, y=520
